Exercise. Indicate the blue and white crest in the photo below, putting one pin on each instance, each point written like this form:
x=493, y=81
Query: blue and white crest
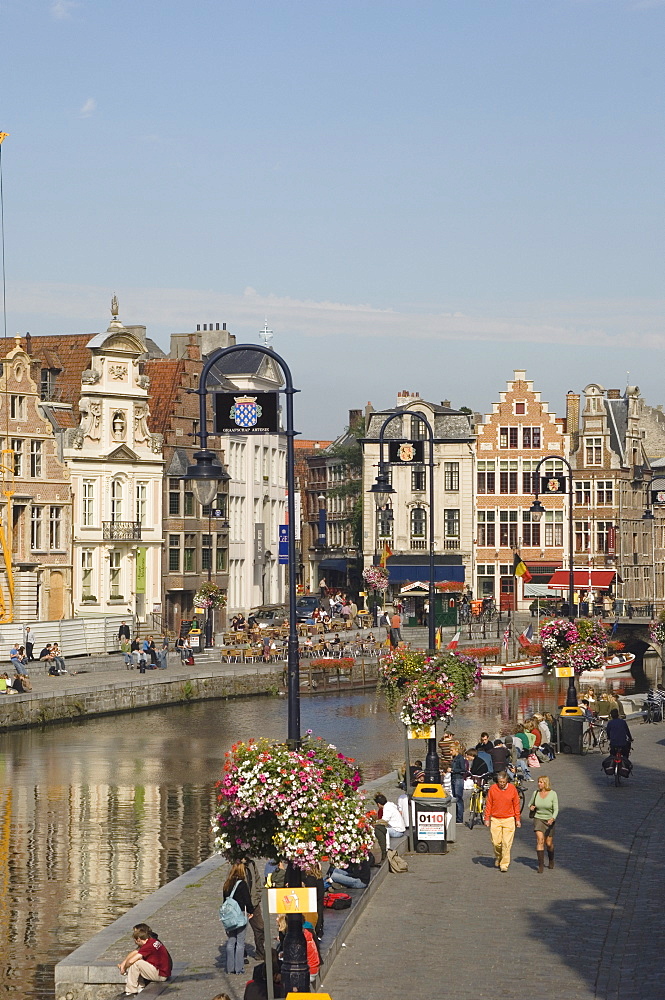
x=245, y=411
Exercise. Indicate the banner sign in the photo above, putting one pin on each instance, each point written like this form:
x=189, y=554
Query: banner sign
x=283, y=544
x=246, y=413
x=259, y=542
x=555, y=485
x=404, y=452
x=140, y=571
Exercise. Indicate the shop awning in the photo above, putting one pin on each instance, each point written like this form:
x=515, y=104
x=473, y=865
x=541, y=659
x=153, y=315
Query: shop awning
x=336, y=564
x=601, y=579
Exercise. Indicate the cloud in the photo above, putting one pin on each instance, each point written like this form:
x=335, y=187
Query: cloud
x=88, y=108
x=62, y=9
x=599, y=324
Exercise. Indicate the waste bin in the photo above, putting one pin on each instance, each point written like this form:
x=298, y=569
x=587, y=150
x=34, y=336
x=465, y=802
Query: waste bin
x=432, y=819
x=571, y=728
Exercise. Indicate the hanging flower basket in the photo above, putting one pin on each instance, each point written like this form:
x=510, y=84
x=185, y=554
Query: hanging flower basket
x=209, y=595
x=303, y=805
x=580, y=656
x=657, y=632
x=398, y=669
x=430, y=698
x=558, y=632
x=376, y=577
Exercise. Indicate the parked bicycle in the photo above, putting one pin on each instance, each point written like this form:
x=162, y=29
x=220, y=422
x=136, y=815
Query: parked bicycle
x=594, y=737
x=477, y=800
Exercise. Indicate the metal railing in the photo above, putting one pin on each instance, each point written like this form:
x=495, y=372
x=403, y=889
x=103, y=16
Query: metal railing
x=121, y=530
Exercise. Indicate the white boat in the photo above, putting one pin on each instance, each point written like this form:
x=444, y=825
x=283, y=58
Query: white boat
x=615, y=666
x=519, y=668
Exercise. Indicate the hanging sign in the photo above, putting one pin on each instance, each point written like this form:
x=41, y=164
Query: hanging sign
x=421, y=732
x=553, y=485
x=404, y=452
x=283, y=544
x=289, y=900
x=564, y=671
x=246, y=413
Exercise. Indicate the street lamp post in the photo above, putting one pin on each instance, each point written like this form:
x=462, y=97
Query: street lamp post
x=205, y=474
x=537, y=510
x=381, y=490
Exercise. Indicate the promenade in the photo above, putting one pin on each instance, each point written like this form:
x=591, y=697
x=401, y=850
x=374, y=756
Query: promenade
x=453, y=925
x=592, y=929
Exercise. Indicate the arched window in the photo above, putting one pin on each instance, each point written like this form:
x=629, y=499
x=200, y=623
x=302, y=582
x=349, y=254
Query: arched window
x=116, y=500
x=418, y=522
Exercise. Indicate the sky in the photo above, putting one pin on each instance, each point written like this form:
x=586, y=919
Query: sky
x=414, y=195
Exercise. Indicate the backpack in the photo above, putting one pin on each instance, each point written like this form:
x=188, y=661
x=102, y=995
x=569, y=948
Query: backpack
x=336, y=900
x=232, y=917
x=396, y=863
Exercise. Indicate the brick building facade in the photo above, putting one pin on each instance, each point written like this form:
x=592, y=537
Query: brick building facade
x=520, y=430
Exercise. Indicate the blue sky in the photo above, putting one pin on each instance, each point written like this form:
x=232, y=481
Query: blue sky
x=420, y=195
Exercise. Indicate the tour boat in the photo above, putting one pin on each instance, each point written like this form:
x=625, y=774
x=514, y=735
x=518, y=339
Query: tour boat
x=519, y=668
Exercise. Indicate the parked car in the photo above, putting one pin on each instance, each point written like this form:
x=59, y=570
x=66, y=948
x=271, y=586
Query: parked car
x=270, y=615
x=305, y=605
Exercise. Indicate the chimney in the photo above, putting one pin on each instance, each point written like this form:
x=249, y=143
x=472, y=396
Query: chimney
x=614, y=393
x=446, y=403
x=28, y=343
x=573, y=419
x=354, y=417
x=192, y=351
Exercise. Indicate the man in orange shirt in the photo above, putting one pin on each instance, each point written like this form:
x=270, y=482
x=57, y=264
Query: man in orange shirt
x=502, y=815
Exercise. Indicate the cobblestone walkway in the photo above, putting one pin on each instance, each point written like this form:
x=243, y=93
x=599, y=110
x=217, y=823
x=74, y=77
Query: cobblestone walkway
x=592, y=928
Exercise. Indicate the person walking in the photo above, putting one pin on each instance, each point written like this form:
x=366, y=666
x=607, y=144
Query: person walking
x=236, y=886
x=458, y=772
x=502, y=816
x=255, y=887
x=395, y=626
x=543, y=810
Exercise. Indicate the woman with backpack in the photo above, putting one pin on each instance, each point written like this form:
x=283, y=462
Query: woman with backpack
x=234, y=918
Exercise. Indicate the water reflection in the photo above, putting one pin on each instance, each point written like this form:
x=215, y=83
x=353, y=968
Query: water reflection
x=96, y=815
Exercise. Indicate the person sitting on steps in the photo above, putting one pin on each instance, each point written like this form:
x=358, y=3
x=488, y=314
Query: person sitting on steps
x=389, y=824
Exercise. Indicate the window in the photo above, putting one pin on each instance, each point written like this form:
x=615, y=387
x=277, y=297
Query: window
x=190, y=554
x=17, y=407
x=508, y=437
x=451, y=523
x=418, y=429
x=451, y=477
x=88, y=512
x=508, y=477
x=16, y=445
x=86, y=573
x=486, y=528
x=220, y=561
x=531, y=437
x=583, y=492
x=174, y=498
x=174, y=553
x=114, y=573
x=116, y=500
x=385, y=522
x=417, y=480
x=55, y=528
x=47, y=383
x=582, y=538
x=553, y=528
x=206, y=552
x=141, y=502
x=189, y=502
x=36, y=459
x=593, y=450
x=36, y=517
x=604, y=492
x=604, y=532
x=512, y=437
x=520, y=408
x=486, y=477
x=529, y=478
x=508, y=528
x=418, y=522
x=530, y=530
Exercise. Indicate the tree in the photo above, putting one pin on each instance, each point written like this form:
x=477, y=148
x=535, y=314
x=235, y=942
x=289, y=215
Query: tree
x=349, y=451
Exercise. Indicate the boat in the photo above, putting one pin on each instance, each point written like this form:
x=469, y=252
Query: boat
x=506, y=671
x=615, y=666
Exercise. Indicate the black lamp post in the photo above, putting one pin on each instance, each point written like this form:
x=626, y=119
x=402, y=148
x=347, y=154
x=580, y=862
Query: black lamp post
x=295, y=971
x=381, y=490
x=537, y=510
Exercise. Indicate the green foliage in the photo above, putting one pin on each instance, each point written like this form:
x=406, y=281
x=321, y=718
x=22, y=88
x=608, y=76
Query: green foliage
x=350, y=454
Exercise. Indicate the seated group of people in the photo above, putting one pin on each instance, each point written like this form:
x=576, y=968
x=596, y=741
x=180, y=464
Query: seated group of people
x=53, y=658
x=19, y=685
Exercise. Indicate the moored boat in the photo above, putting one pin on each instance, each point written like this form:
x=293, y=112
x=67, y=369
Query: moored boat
x=519, y=668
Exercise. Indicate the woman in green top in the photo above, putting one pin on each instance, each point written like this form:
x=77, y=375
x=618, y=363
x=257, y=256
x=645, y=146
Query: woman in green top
x=544, y=809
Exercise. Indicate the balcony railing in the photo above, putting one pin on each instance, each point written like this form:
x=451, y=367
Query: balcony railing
x=418, y=543
x=121, y=530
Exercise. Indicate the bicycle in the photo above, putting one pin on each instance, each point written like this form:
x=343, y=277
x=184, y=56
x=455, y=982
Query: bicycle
x=477, y=801
x=653, y=711
x=618, y=764
x=594, y=736
x=519, y=781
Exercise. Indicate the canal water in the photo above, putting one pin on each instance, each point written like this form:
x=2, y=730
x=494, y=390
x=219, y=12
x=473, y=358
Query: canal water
x=96, y=815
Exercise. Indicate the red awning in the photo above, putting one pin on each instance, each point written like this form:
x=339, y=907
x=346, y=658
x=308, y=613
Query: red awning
x=601, y=579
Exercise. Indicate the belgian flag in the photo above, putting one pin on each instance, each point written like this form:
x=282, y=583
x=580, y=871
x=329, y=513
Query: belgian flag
x=519, y=568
